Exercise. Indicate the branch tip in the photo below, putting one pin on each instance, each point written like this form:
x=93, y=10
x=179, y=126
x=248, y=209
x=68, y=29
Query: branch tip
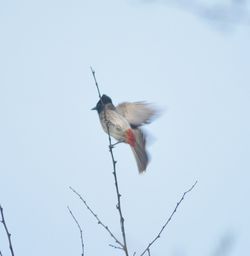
x=80, y=229
x=169, y=219
x=6, y=231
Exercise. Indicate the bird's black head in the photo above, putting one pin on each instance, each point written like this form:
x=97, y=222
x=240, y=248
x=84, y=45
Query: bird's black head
x=103, y=101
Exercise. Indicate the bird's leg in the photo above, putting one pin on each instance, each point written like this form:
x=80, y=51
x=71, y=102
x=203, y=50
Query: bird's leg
x=118, y=142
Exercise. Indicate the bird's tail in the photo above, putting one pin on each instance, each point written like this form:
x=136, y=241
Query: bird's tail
x=139, y=150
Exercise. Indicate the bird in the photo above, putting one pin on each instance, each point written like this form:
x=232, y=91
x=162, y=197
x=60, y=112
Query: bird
x=123, y=122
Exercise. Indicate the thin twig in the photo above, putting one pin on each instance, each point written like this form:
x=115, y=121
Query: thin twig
x=149, y=254
x=119, y=208
x=116, y=247
x=169, y=219
x=96, y=84
x=80, y=229
x=7, y=231
x=97, y=218
x=1, y=253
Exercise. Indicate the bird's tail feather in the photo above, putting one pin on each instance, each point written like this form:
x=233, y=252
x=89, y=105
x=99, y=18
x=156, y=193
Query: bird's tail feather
x=139, y=150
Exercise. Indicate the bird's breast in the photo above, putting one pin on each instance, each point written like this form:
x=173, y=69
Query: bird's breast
x=116, y=123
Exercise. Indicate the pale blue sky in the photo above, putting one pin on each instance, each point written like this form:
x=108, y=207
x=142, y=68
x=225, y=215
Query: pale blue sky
x=50, y=140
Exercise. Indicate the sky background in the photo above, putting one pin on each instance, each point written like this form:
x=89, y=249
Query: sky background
x=195, y=68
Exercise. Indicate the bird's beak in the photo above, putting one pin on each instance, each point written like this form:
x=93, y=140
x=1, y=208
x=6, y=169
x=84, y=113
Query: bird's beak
x=94, y=108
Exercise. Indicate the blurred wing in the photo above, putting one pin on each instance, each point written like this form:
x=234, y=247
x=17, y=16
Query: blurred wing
x=137, y=113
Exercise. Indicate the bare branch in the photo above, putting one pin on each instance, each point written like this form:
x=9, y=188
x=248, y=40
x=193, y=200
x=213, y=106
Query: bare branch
x=148, y=250
x=119, y=208
x=118, y=200
x=116, y=247
x=167, y=222
x=96, y=84
x=80, y=229
x=7, y=231
x=1, y=253
x=97, y=218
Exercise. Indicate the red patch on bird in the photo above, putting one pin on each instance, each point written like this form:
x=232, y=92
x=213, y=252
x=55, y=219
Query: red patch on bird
x=130, y=137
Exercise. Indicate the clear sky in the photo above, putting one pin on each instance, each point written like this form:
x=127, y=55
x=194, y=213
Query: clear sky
x=50, y=140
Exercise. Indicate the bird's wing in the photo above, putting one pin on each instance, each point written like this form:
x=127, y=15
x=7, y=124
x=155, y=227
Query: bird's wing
x=137, y=113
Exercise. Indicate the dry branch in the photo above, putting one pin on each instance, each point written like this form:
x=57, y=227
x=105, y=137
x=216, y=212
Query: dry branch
x=80, y=229
x=97, y=218
x=119, y=208
x=167, y=222
x=7, y=231
x=116, y=247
